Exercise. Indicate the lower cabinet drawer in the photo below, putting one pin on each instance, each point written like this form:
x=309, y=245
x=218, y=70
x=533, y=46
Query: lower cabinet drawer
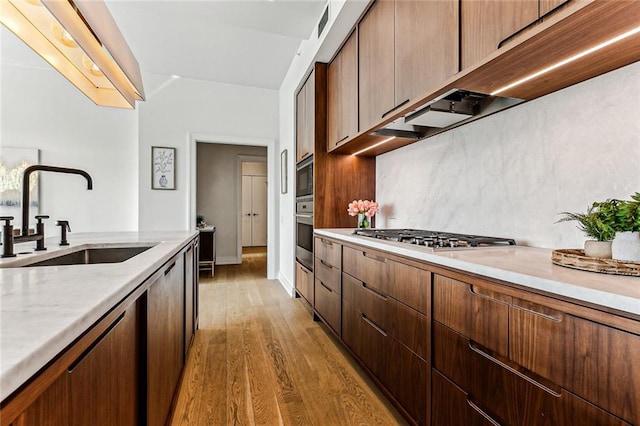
x=405, y=283
x=508, y=394
x=403, y=373
x=405, y=324
x=327, y=305
x=451, y=406
x=329, y=275
x=304, y=283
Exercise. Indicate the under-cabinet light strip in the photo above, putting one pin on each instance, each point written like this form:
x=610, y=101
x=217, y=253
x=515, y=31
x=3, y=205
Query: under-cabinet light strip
x=374, y=145
x=568, y=60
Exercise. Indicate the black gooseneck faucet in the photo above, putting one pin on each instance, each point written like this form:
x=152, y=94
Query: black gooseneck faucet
x=9, y=240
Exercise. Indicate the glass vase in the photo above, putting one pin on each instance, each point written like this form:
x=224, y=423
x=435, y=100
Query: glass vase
x=363, y=221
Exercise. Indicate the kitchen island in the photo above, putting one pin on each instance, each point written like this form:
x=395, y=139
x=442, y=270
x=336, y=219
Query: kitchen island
x=488, y=334
x=49, y=312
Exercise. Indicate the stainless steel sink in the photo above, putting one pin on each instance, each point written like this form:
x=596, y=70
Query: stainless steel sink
x=92, y=256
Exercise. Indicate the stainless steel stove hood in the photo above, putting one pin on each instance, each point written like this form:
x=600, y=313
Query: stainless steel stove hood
x=451, y=109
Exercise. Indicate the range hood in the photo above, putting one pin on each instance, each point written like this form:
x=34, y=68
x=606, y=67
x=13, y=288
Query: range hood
x=451, y=109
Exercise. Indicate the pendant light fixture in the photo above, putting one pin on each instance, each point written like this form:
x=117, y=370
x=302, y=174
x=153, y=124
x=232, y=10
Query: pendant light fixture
x=80, y=39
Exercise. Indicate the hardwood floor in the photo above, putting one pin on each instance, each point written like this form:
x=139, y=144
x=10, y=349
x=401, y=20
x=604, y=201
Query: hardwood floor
x=259, y=359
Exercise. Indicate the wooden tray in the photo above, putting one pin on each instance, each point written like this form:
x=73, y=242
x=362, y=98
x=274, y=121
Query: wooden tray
x=574, y=258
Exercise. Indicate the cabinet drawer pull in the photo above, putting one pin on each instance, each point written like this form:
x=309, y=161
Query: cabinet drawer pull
x=482, y=413
x=374, y=257
x=538, y=310
x=377, y=293
x=341, y=140
x=304, y=271
x=486, y=294
x=326, y=242
x=373, y=324
x=519, y=373
x=324, y=262
x=166, y=271
x=395, y=107
x=325, y=286
x=305, y=155
x=96, y=343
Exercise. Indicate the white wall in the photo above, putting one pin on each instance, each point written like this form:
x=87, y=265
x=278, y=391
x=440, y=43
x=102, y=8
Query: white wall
x=510, y=174
x=184, y=108
x=41, y=109
x=342, y=17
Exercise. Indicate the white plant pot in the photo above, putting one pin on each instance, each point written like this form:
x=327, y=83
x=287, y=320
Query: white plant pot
x=626, y=246
x=599, y=249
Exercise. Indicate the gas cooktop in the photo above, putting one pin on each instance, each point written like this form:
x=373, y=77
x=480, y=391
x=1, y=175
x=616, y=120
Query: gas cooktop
x=434, y=239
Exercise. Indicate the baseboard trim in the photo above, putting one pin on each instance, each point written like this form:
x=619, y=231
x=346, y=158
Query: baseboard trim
x=288, y=287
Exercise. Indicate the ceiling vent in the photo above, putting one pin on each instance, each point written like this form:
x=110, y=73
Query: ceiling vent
x=323, y=20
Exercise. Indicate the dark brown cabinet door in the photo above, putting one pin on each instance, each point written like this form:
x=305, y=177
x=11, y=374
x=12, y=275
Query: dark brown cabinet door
x=327, y=305
x=342, y=94
x=165, y=340
x=190, y=290
x=506, y=392
x=426, y=46
x=305, y=122
x=484, y=23
x=304, y=283
x=401, y=372
x=591, y=360
x=103, y=383
x=376, y=63
x=451, y=406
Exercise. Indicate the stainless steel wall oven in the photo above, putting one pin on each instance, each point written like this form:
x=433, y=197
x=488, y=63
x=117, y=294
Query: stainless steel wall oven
x=304, y=233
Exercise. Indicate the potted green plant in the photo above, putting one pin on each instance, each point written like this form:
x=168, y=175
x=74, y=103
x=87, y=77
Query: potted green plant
x=598, y=223
x=626, y=244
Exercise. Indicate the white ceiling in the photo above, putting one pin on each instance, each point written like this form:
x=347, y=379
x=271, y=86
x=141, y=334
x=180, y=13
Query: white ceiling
x=244, y=42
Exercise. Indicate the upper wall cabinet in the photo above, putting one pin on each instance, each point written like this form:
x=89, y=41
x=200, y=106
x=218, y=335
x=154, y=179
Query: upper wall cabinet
x=404, y=49
x=342, y=94
x=305, y=119
x=486, y=23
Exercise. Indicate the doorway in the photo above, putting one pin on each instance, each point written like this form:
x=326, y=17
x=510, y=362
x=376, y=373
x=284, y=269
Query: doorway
x=218, y=186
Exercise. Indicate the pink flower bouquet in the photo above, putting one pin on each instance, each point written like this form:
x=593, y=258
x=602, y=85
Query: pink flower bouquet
x=369, y=208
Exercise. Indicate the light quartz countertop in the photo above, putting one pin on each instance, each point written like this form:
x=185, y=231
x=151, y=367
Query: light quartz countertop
x=528, y=267
x=45, y=308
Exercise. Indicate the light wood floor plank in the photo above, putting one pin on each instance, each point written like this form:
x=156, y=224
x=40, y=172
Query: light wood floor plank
x=259, y=359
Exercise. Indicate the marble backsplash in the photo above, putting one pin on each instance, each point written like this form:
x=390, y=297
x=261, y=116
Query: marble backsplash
x=510, y=174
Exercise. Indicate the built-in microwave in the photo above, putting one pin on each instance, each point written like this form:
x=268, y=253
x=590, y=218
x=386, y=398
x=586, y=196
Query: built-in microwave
x=304, y=178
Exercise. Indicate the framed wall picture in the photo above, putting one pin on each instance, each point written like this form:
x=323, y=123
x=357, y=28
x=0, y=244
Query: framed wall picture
x=284, y=175
x=163, y=167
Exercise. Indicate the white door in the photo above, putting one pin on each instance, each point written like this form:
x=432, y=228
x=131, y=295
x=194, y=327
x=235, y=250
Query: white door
x=254, y=211
x=246, y=211
x=259, y=207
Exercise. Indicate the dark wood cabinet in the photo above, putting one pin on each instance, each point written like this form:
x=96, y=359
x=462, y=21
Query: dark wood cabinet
x=385, y=306
x=305, y=119
x=485, y=23
x=101, y=386
x=376, y=64
x=125, y=368
x=190, y=296
x=107, y=396
x=426, y=46
x=304, y=283
x=504, y=392
x=165, y=340
x=529, y=359
x=327, y=267
x=342, y=94
x=405, y=48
